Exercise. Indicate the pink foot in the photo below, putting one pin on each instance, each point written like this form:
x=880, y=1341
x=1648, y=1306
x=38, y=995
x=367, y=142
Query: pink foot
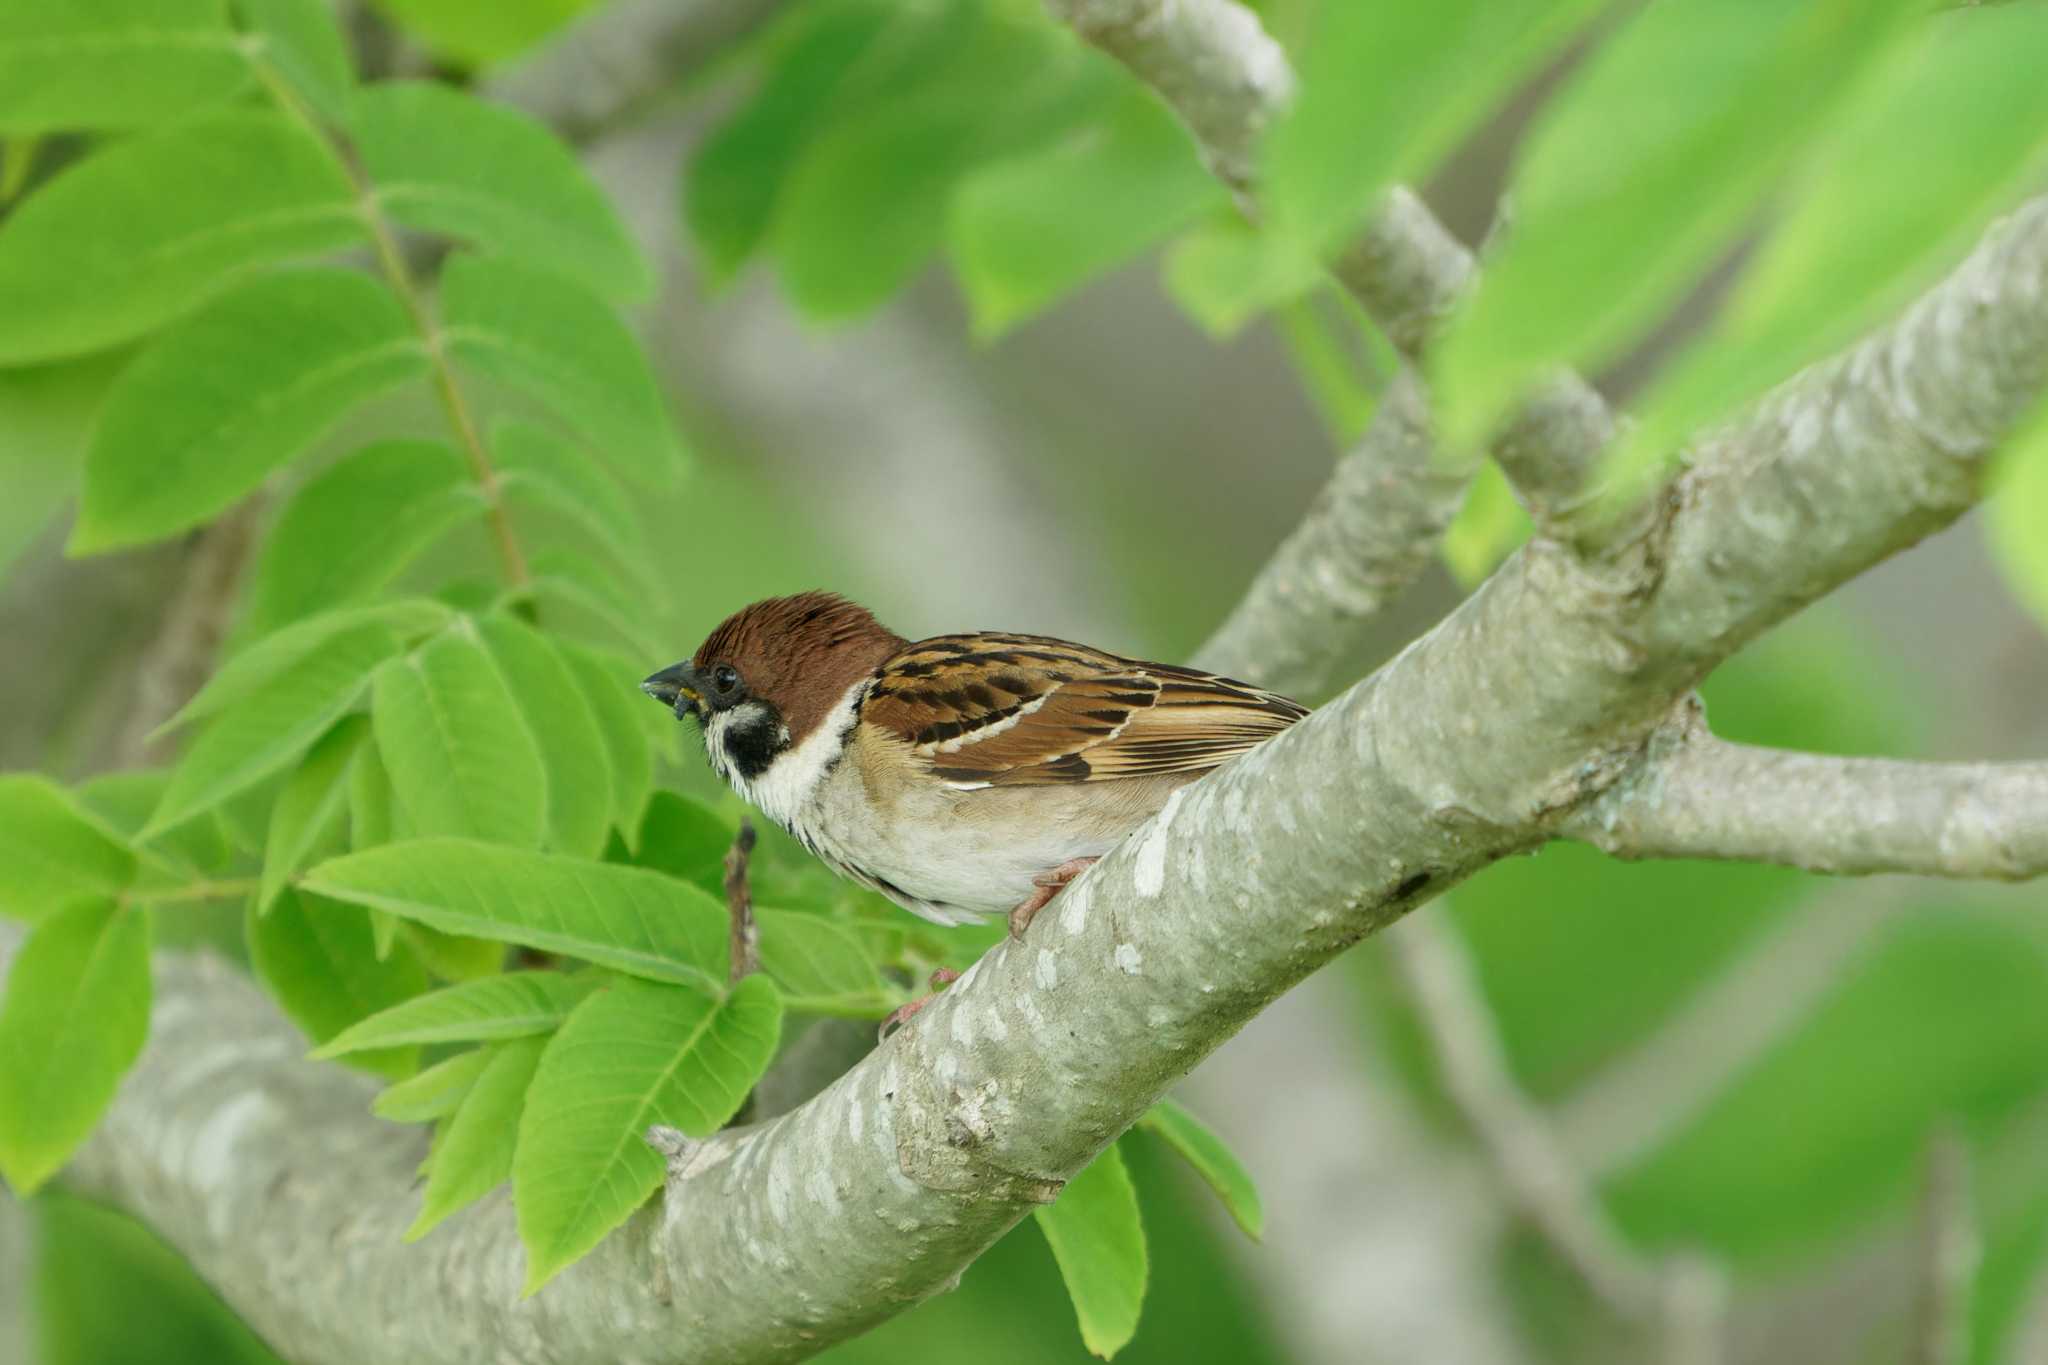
x=1049, y=885
x=901, y=1015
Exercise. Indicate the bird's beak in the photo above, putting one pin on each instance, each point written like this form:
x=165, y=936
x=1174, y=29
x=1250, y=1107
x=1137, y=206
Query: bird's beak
x=675, y=687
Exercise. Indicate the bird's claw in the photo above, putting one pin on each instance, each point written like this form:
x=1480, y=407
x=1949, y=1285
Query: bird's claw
x=941, y=978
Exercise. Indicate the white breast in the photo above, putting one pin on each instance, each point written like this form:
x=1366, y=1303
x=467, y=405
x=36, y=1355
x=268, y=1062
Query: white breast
x=790, y=784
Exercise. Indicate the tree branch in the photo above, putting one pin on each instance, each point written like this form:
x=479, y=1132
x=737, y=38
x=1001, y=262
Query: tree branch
x=744, y=946
x=1229, y=80
x=611, y=67
x=1696, y=796
x=1366, y=538
x=1438, y=973
x=196, y=620
x=1536, y=694
x=1949, y=1253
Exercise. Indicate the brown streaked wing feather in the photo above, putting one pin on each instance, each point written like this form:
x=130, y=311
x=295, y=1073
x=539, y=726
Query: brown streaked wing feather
x=1022, y=710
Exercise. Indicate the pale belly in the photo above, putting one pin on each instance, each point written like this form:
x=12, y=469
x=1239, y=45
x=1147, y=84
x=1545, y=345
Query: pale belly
x=954, y=856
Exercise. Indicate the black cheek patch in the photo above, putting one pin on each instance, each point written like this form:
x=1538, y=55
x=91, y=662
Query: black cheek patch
x=752, y=747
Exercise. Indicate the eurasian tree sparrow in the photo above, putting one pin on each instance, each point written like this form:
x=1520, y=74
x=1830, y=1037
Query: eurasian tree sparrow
x=960, y=775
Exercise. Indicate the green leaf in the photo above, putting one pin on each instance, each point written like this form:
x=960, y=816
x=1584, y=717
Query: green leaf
x=1488, y=527
x=449, y=162
x=1343, y=367
x=539, y=469
x=615, y=699
x=120, y=804
x=112, y=63
x=1639, y=174
x=137, y=235
x=633, y=1055
x=564, y=578
x=267, y=729
x=452, y=957
x=50, y=853
x=459, y=752
x=737, y=175
x=509, y=1005
x=1964, y=121
x=821, y=968
x=434, y=1093
x=2018, y=510
x=1099, y=1242
x=572, y=750
x=1215, y=1163
x=547, y=336
x=103, y=1288
x=620, y=917
x=475, y=34
x=865, y=206
x=46, y=417
x=1386, y=91
x=252, y=669
x=233, y=392
x=1224, y=273
x=685, y=838
x=316, y=956
x=1028, y=230
x=354, y=527
x=372, y=805
x=74, y=1018
x=473, y=1152
x=474, y=1149
x=373, y=819
x=308, y=811
x=301, y=39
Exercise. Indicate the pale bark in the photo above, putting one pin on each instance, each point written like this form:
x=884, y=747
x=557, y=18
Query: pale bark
x=1702, y=797
x=1949, y=1253
x=1368, y=535
x=1229, y=81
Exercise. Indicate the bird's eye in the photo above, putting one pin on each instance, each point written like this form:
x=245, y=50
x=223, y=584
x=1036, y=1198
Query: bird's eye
x=725, y=677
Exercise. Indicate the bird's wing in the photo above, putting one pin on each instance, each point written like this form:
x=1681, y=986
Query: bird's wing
x=1020, y=710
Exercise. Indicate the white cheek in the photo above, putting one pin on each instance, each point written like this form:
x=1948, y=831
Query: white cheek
x=784, y=792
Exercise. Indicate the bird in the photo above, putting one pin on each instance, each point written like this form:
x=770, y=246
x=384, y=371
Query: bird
x=960, y=776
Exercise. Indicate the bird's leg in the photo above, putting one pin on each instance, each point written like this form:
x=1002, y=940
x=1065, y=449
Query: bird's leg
x=942, y=977
x=1049, y=884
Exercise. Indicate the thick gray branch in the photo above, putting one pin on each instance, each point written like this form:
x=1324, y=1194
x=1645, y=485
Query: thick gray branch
x=1229, y=80
x=1701, y=797
x=776, y=1240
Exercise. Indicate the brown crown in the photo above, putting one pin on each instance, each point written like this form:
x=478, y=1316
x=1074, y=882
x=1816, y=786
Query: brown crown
x=800, y=653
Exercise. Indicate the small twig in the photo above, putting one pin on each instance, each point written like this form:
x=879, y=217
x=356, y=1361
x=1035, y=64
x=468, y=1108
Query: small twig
x=1683, y=1297
x=739, y=901
x=1695, y=1311
x=1948, y=1253
x=2030, y=1330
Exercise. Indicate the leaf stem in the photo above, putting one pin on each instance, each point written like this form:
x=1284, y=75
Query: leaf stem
x=194, y=891
x=391, y=261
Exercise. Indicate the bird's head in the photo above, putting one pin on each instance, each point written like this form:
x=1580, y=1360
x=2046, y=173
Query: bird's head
x=767, y=677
